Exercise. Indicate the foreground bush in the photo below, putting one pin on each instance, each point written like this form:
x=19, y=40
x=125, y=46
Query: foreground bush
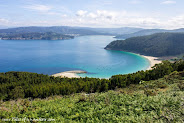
x=111, y=106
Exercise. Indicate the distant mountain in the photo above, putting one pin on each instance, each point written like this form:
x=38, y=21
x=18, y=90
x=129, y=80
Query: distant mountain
x=116, y=31
x=147, y=32
x=122, y=33
x=177, y=30
x=36, y=36
x=55, y=29
x=70, y=30
x=160, y=44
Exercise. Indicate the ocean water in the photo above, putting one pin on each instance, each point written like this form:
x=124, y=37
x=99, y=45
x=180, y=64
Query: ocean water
x=81, y=53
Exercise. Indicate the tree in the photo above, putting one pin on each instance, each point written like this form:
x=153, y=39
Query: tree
x=17, y=92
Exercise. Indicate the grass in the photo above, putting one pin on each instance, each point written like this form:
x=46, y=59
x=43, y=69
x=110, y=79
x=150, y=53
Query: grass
x=154, y=101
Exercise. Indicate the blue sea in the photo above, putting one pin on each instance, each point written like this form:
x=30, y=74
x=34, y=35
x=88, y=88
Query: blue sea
x=81, y=53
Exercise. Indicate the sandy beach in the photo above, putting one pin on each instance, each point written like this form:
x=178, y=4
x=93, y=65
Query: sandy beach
x=69, y=74
x=73, y=73
x=152, y=60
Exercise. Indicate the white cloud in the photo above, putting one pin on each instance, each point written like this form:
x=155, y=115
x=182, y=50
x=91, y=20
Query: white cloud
x=92, y=15
x=106, y=14
x=105, y=18
x=64, y=15
x=81, y=13
x=41, y=8
x=169, y=2
x=175, y=22
x=2, y=20
x=100, y=14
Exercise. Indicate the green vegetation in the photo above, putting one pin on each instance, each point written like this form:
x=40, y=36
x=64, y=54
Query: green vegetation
x=71, y=30
x=149, y=101
x=147, y=32
x=55, y=29
x=36, y=36
x=123, y=33
x=141, y=33
x=35, y=85
x=161, y=44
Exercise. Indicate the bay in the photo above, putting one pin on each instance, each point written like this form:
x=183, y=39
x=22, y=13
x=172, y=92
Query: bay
x=81, y=53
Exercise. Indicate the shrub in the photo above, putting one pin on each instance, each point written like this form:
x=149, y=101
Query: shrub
x=150, y=92
x=82, y=98
x=162, y=85
x=17, y=92
x=181, y=85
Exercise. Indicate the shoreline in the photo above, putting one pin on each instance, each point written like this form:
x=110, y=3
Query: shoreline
x=73, y=74
x=69, y=74
x=152, y=61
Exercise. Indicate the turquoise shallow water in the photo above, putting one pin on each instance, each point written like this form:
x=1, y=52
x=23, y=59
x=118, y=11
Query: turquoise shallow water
x=82, y=53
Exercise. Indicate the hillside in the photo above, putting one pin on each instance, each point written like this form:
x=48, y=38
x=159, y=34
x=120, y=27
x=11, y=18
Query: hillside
x=149, y=101
x=15, y=85
x=116, y=31
x=146, y=32
x=70, y=30
x=122, y=33
x=54, y=29
x=161, y=44
x=36, y=36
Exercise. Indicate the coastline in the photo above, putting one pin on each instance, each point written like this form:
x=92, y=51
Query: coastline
x=152, y=60
x=73, y=74
x=69, y=74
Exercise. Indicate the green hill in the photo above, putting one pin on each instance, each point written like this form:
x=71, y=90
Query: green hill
x=160, y=44
x=149, y=101
x=70, y=30
x=145, y=32
x=36, y=36
x=15, y=85
x=55, y=29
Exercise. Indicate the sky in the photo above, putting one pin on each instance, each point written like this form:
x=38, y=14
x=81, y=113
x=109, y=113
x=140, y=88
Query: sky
x=165, y=14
